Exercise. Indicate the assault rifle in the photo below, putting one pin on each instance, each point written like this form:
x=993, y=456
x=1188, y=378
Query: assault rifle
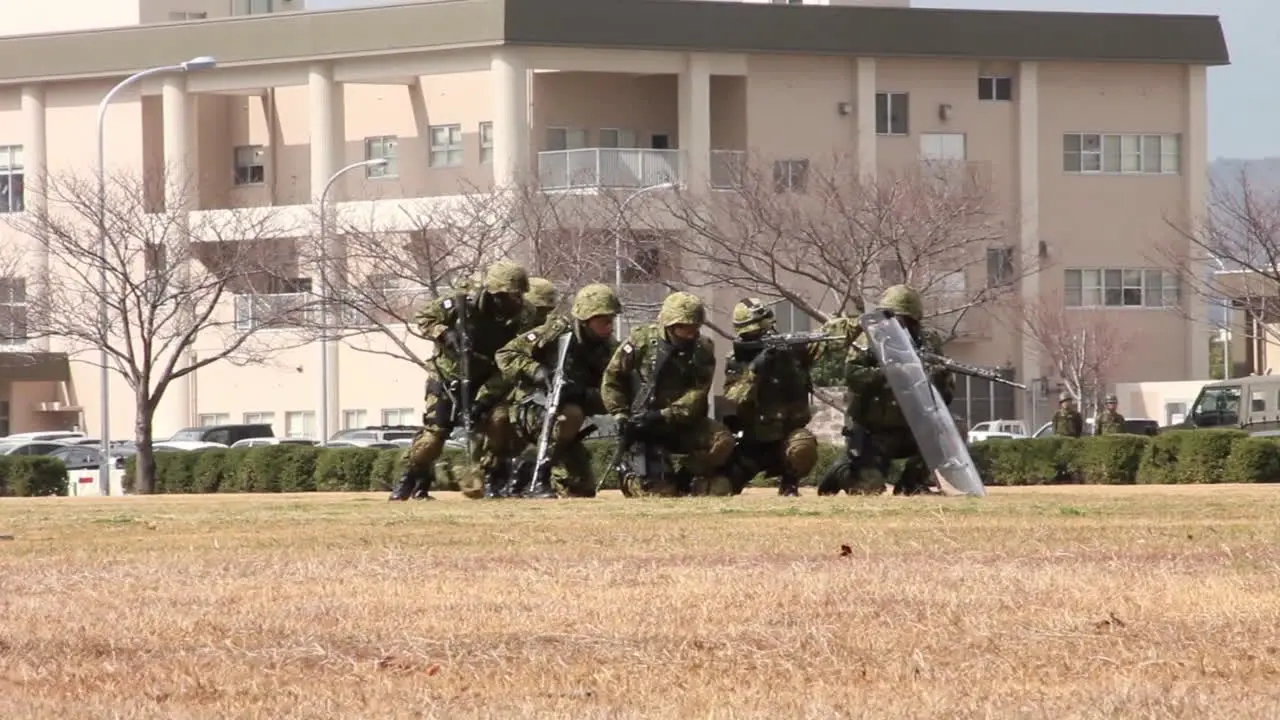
x=970, y=370
x=639, y=405
x=774, y=342
x=464, y=369
x=541, y=465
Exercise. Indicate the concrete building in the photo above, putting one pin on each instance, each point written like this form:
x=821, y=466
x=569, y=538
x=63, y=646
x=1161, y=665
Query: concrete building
x=1093, y=127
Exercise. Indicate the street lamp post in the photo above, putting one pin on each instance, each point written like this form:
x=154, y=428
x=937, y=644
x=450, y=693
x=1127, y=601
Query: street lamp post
x=617, y=240
x=324, y=291
x=1224, y=332
x=203, y=62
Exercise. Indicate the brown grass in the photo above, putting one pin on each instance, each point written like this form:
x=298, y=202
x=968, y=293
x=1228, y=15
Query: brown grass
x=1080, y=602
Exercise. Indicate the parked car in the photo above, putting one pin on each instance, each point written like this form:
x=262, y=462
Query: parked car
x=185, y=445
x=86, y=457
x=260, y=441
x=59, y=435
x=225, y=435
x=997, y=429
x=369, y=434
x=365, y=445
x=27, y=447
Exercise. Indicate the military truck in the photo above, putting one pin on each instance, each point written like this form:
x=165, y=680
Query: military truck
x=1247, y=403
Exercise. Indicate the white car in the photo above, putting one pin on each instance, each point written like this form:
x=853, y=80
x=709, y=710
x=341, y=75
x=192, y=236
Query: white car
x=260, y=441
x=186, y=445
x=1007, y=429
x=42, y=435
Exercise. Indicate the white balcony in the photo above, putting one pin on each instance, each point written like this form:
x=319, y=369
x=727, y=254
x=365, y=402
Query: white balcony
x=279, y=310
x=607, y=168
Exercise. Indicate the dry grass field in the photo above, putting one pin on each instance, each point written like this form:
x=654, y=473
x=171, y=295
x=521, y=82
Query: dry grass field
x=1072, y=602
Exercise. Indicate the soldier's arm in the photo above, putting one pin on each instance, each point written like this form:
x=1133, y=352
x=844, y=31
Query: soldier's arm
x=615, y=385
x=692, y=404
x=439, y=317
x=739, y=382
x=501, y=383
x=840, y=326
x=520, y=359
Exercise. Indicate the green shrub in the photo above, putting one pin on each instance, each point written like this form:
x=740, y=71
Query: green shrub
x=32, y=476
x=1202, y=456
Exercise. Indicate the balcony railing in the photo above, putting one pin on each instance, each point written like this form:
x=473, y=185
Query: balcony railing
x=281, y=310
x=727, y=167
x=607, y=167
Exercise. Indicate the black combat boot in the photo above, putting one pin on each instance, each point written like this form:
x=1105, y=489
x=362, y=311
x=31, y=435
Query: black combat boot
x=496, y=479
x=518, y=480
x=539, y=488
x=423, y=489
x=404, y=488
x=788, y=486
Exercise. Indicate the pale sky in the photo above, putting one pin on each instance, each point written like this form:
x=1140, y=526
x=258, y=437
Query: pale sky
x=1243, y=102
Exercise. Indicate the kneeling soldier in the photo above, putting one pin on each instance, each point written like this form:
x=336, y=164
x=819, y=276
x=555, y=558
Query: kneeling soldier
x=529, y=364
x=771, y=387
x=679, y=366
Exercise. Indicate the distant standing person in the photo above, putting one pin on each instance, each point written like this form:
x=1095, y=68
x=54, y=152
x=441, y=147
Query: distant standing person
x=1067, y=422
x=1108, y=421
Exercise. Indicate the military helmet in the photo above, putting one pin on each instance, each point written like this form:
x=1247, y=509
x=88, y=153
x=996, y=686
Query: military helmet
x=541, y=294
x=682, y=308
x=903, y=300
x=1064, y=396
x=595, y=300
x=1111, y=400
x=751, y=316
x=505, y=276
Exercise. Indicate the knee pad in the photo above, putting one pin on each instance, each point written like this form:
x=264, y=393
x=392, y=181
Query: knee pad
x=801, y=452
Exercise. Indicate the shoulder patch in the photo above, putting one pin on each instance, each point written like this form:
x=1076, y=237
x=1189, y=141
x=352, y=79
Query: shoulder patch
x=628, y=348
x=447, y=304
x=531, y=337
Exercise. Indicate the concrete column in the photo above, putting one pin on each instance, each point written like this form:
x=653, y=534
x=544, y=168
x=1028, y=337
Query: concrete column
x=510, y=78
x=181, y=196
x=865, y=124
x=695, y=120
x=35, y=159
x=328, y=151
x=1028, y=212
x=1194, y=166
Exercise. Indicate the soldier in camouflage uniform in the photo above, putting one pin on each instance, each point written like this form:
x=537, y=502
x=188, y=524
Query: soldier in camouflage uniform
x=538, y=303
x=493, y=316
x=527, y=367
x=678, y=419
x=1108, y=421
x=1067, y=421
x=770, y=389
x=876, y=432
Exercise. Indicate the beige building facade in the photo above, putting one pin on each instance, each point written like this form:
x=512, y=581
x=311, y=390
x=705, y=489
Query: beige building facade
x=1092, y=127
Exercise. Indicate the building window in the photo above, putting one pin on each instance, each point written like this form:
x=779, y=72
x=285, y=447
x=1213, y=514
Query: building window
x=255, y=7
x=891, y=113
x=208, y=419
x=559, y=138
x=995, y=88
x=1118, y=154
x=300, y=424
x=259, y=418
x=4, y=418
x=1122, y=288
x=790, y=175
x=381, y=148
x=13, y=310
x=999, y=266
x=789, y=319
x=250, y=166
x=617, y=138
x=943, y=146
x=486, y=143
x=354, y=419
x=178, y=16
x=446, y=146
x=400, y=416
x=11, y=185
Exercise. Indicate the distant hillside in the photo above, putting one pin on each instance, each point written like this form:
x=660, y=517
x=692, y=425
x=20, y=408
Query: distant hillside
x=1264, y=172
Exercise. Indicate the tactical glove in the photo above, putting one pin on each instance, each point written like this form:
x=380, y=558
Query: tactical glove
x=649, y=420
x=452, y=340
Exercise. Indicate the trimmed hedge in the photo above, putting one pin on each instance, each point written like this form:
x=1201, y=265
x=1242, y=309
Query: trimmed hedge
x=32, y=476
x=1200, y=456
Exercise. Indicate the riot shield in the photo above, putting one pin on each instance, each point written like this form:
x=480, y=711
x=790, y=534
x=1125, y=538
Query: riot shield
x=931, y=423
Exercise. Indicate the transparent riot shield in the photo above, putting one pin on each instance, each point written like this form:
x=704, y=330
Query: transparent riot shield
x=934, y=429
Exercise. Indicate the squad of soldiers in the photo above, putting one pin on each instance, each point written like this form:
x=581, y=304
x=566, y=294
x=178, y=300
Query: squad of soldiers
x=515, y=376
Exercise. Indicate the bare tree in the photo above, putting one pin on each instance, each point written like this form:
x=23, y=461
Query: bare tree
x=175, y=283
x=385, y=265
x=1082, y=345
x=824, y=238
x=1232, y=254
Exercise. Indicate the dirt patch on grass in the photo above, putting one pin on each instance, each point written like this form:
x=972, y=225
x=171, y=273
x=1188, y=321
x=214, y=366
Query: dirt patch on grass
x=1038, y=602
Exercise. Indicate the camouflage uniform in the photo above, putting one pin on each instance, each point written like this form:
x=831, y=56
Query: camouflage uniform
x=527, y=366
x=1067, y=421
x=1108, y=421
x=771, y=389
x=678, y=419
x=875, y=429
x=538, y=303
x=493, y=316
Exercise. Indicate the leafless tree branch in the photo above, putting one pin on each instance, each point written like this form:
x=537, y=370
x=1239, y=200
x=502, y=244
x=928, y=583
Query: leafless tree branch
x=1082, y=345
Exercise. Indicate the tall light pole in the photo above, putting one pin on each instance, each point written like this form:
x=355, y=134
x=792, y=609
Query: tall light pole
x=1224, y=332
x=324, y=292
x=617, y=241
x=203, y=62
